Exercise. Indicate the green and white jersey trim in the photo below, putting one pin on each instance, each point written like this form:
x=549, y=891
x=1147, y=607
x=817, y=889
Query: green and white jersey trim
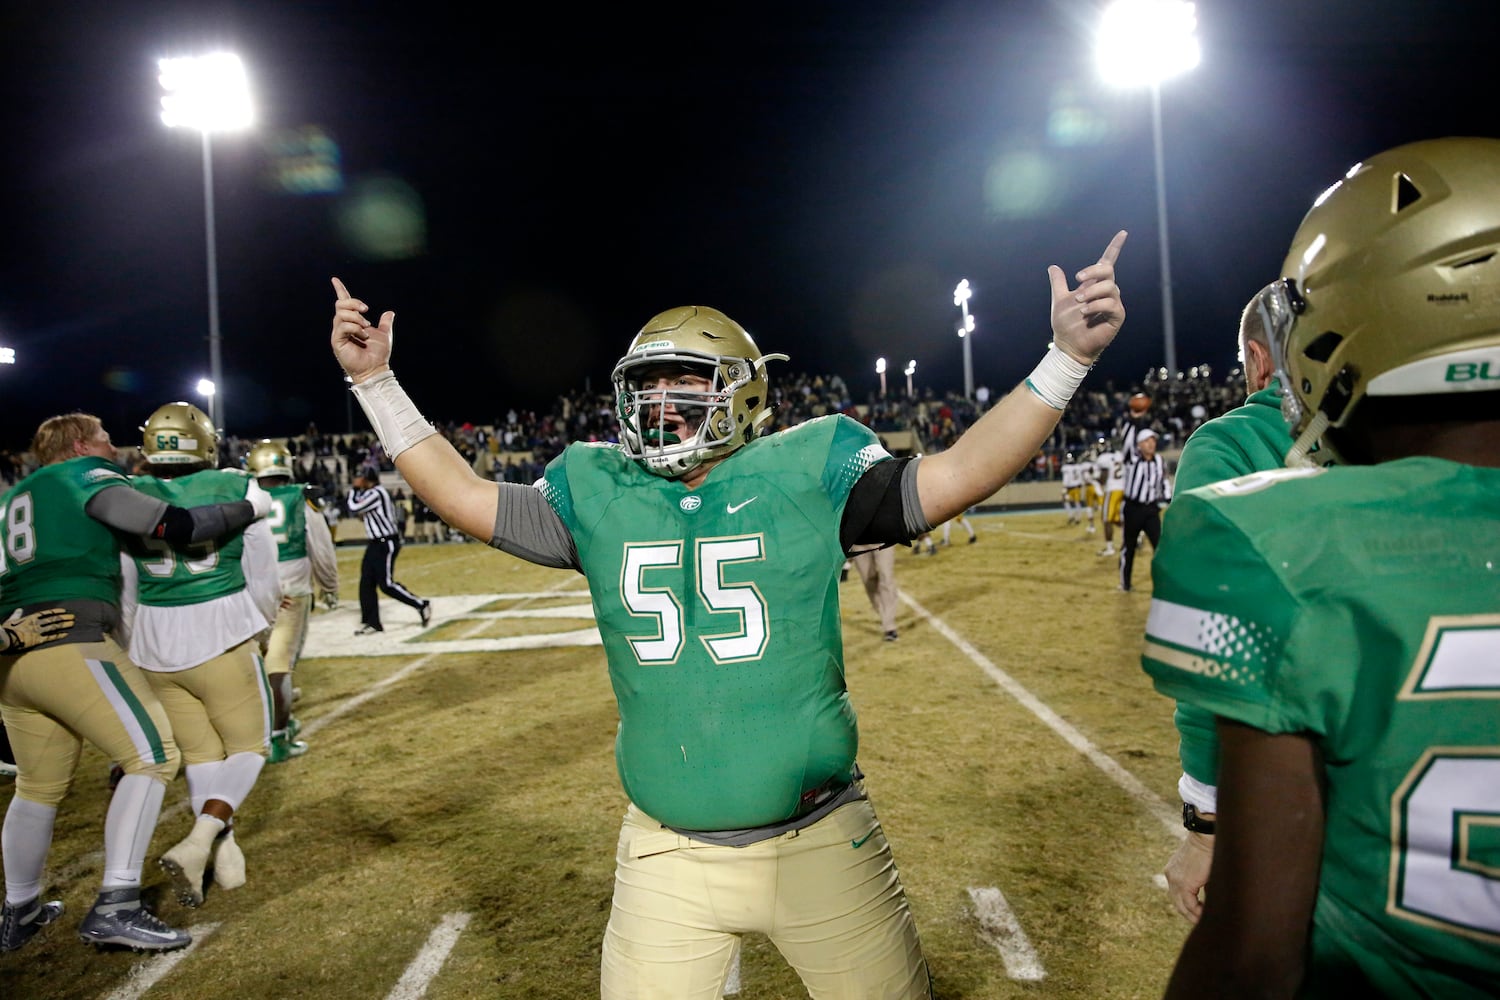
x=1209, y=643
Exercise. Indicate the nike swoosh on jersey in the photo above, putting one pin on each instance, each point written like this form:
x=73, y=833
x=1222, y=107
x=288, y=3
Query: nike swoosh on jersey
x=857, y=844
x=735, y=508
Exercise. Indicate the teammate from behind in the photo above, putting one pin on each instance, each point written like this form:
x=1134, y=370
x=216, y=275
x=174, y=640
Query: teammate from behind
x=59, y=548
x=713, y=557
x=1342, y=622
x=195, y=615
x=305, y=555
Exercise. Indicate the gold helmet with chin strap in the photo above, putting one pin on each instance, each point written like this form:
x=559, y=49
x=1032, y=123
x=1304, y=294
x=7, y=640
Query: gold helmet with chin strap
x=179, y=434
x=268, y=458
x=1391, y=287
x=729, y=413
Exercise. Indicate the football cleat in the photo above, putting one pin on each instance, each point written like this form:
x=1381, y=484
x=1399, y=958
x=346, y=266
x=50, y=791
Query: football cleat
x=368, y=630
x=891, y=636
x=426, y=611
x=228, y=861
x=284, y=748
x=185, y=864
x=21, y=922
x=118, y=918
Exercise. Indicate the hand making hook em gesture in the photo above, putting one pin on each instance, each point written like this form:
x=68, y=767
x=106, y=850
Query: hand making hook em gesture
x=1086, y=319
x=363, y=349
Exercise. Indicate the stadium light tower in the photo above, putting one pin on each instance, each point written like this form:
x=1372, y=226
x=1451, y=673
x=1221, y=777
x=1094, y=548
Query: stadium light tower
x=880, y=370
x=210, y=93
x=961, y=296
x=1145, y=42
x=911, y=369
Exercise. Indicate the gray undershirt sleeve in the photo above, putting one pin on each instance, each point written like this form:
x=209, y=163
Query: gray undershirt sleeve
x=527, y=527
x=911, y=503
x=125, y=509
x=133, y=512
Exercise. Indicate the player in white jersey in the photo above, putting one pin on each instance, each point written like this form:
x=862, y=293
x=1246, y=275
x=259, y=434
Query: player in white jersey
x=1109, y=473
x=1072, y=489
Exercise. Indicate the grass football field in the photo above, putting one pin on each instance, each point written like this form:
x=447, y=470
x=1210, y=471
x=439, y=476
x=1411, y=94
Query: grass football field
x=450, y=833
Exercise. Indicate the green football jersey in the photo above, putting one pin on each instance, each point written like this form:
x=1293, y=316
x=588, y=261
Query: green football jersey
x=1361, y=606
x=288, y=521
x=1249, y=438
x=50, y=550
x=719, y=611
x=171, y=576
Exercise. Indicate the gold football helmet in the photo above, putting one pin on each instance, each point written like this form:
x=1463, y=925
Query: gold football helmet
x=268, y=458
x=1391, y=286
x=727, y=415
x=179, y=434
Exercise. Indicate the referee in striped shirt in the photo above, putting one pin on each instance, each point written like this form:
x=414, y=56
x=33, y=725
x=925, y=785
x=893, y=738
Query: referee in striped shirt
x=371, y=501
x=1147, y=490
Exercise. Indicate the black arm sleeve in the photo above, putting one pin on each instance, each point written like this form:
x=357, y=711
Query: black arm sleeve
x=883, y=506
x=190, y=525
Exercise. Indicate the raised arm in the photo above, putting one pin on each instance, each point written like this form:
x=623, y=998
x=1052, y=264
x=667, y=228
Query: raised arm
x=989, y=454
x=434, y=469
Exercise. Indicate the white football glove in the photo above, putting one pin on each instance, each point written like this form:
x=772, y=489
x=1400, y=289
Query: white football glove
x=330, y=600
x=259, y=499
x=19, y=633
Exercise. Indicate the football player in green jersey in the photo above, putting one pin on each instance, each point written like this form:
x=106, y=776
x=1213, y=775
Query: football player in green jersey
x=1343, y=623
x=198, y=615
x=1250, y=438
x=59, y=547
x=304, y=556
x=713, y=556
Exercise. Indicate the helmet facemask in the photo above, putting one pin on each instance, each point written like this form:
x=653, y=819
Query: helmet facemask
x=673, y=425
x=673, y=429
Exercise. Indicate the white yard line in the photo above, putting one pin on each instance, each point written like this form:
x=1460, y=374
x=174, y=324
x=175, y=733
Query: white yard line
x=1000, y=928
x=154, y=970
x=429, y=961
x=1170, y=817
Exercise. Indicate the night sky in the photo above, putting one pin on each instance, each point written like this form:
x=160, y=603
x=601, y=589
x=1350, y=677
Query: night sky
x=525, y=194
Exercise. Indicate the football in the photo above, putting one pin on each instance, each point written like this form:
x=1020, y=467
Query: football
x=1139, y=404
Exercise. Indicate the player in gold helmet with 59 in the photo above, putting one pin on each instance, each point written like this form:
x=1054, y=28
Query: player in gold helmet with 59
x=713, y=556
x=197, y=616
x=1341, y=618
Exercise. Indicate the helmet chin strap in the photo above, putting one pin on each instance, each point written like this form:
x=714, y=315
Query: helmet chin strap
x=1297, y=458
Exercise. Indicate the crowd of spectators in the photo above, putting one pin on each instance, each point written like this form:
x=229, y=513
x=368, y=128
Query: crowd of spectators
x=517, y=445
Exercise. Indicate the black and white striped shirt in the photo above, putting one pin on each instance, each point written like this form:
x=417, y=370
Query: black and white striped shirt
x=377, y=508
x=1146, y=480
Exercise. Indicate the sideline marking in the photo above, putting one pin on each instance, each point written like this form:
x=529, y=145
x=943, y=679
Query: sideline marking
x=332, y=634
x=150, y=972
x=429, y=961
x=1154, y=804
x=998, y=926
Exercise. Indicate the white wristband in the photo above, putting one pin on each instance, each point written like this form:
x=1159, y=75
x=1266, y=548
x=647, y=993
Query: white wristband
x=1204, y=798
x=392, y=413
x=1056, y=378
